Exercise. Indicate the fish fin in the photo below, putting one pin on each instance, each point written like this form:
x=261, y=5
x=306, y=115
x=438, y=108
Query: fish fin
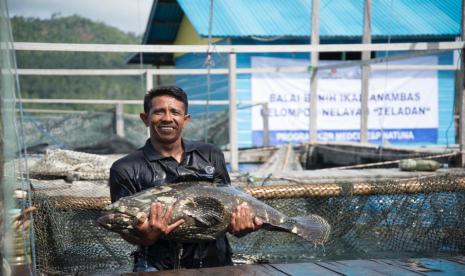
x=312, y=228
x=206, y=211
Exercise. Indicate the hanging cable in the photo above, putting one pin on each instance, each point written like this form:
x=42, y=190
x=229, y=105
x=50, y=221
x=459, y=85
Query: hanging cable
x=209, y=63
x=386, y=54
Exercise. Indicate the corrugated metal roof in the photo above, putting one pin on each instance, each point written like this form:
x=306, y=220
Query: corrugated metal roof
x=291, y=18
x=162, y=28
x=163, y=24
x=342, y=18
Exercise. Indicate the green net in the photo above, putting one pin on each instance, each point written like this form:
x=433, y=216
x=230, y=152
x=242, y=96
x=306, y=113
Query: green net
x=385, y=225
x=380, y=213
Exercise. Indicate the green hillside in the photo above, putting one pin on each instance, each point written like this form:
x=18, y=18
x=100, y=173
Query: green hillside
x=74, y=29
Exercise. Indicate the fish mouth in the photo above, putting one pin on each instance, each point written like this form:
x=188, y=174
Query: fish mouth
x=116, y=220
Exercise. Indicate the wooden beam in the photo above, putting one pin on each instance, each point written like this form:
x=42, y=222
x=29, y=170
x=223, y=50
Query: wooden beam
x=406, y=67
x=148, y=80
x=305, y=48
x=382, y=60
x=114, y=102
x=119, y=119
x=233, y=146
x=266, y=124
x=81, y=72
x=220, y=71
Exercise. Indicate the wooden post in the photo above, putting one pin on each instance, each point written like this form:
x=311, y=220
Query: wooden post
x=158, y=77
x=148, y=80
x=315, y=40
x=119, y=119
x=366, y=55
x=462, y=94
x=233, y=148
x=266, y=128
x=148, y=87
x=3, y=243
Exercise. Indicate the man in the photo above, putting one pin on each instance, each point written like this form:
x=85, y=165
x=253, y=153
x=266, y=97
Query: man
x=168, y=158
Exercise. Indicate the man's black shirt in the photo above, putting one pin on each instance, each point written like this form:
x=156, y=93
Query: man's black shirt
x=146, y=168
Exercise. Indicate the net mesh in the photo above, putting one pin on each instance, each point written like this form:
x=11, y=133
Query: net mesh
x=385, y=225
x=411, y=214
x=84, y=131
x=69, y=241
x=95, y=131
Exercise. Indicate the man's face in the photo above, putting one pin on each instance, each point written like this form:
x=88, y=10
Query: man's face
x=166, y=119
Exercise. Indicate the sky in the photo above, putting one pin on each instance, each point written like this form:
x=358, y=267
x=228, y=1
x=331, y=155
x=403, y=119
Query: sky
x=126, y=15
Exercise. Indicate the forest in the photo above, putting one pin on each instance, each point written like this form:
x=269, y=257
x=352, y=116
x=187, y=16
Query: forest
x=74, y=29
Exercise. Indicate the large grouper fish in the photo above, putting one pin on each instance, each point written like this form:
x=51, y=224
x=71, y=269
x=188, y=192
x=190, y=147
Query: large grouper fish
x=207, y=211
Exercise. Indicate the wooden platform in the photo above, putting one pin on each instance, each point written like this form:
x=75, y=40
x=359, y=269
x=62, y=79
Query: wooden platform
x=422, y=266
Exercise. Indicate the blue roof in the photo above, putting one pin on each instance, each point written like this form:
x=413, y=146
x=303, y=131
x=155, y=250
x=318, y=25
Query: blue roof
x=341, y=18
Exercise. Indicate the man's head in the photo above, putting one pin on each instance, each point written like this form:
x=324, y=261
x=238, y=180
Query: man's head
x=173, y=91
x=165, y=112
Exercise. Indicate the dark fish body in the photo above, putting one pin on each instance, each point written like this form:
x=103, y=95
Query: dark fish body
x=207, y=211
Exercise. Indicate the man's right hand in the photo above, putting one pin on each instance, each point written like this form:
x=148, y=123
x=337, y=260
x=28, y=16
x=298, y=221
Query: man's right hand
x=151, y=228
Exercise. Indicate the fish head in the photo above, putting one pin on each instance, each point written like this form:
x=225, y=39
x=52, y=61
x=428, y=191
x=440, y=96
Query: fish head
x=122, y=223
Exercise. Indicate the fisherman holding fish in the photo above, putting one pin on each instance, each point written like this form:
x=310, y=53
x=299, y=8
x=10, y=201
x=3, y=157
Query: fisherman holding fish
x=168, y=158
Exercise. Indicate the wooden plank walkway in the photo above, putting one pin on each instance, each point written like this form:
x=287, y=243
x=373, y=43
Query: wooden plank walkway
x=421, y=266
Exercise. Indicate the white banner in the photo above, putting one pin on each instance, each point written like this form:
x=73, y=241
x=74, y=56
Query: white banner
x=403, y=105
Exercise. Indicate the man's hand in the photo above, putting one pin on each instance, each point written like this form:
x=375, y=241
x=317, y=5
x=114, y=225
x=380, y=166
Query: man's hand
x=243, y=222
x=156, y=225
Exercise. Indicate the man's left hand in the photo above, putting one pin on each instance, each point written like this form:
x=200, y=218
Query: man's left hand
x=243, y=222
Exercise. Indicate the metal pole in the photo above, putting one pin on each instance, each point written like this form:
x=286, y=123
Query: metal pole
x=315, y=40
x=266, y=128
x=462, y=94
x=366, y=55
x=234, y=154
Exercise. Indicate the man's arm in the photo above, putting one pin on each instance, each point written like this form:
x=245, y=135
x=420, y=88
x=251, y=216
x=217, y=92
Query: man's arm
x=242, y=220
x=152, y=225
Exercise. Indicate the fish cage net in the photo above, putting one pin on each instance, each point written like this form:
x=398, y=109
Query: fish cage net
x=415, y=217
x=68, y=240
x=95, y=131
x=418, y=216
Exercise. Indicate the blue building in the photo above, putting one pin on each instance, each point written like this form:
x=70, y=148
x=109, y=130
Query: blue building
x=406, y=107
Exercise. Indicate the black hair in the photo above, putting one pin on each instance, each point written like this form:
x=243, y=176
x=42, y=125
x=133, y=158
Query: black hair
x=173, y=91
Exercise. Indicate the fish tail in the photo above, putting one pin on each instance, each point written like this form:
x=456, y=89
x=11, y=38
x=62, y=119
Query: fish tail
x=312, y=228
